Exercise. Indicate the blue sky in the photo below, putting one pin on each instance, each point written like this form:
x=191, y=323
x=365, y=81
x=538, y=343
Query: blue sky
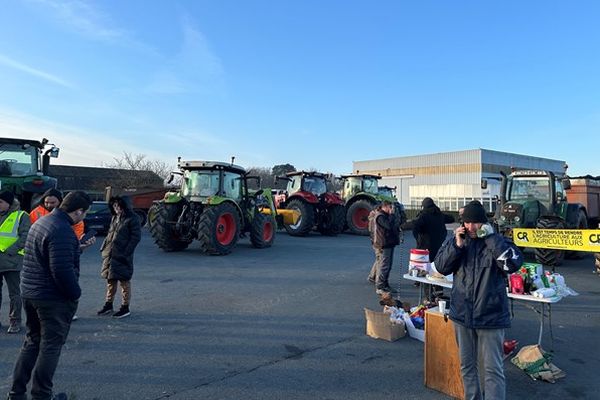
x=317, y=84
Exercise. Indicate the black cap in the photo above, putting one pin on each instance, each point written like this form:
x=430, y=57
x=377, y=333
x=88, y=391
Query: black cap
x=474, y=212
x=7, y=196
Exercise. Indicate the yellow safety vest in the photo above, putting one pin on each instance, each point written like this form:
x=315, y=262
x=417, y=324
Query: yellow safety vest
x=9, y=231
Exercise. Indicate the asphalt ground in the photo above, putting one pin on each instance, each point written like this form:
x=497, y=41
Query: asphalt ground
x=282, y=323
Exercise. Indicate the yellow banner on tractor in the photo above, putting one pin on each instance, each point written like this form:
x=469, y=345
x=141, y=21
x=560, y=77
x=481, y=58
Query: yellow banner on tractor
x=559, y=239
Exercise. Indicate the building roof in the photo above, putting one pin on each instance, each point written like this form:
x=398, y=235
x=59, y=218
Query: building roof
x=72, y=177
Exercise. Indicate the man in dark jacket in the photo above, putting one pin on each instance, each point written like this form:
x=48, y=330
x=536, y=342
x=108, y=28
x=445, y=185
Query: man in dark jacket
x=429, y=228
x=50, y=291
x=385, y=235
x=479, y=260
x=117, y=254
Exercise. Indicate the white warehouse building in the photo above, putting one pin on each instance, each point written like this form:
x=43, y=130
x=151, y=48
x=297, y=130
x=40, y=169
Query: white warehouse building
x=452, y=179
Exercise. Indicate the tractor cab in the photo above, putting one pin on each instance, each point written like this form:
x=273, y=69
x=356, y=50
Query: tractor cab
x=310, y=182
x=355, y=184
x=527, y=195
x=387, y=191
x=202, y=180
x=24, y=169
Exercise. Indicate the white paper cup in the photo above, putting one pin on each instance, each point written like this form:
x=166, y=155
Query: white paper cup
x=442, y=306
x=414, y=272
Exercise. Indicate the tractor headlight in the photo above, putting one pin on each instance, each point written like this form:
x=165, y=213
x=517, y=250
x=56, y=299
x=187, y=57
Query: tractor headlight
x=517, y=219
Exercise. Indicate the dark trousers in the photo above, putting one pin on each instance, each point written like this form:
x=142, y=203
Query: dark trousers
x=48, y=323
x=13, y=279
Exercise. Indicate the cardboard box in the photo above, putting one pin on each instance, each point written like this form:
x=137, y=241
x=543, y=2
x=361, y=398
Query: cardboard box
x=379, y=326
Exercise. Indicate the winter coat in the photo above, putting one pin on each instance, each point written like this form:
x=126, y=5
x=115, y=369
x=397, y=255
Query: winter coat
x=478, y=299
x=429, y=229
x=117, y=249
x=51, y=261
x=383, y=229
x=10, y=260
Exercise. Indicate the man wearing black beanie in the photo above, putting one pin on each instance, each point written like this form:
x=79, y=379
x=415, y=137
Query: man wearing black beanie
x=50, y=291
x=479, y=303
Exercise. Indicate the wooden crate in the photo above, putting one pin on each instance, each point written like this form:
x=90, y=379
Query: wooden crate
x=442, y=362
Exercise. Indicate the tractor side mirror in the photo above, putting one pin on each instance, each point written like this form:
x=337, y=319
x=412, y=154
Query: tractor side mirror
x=484, y=183
x=54, y=152
x=566, y=183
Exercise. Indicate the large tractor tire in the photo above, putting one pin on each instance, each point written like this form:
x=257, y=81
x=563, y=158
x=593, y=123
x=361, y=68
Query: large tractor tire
x=161, y=221
x=262, y=233
x=357, y=217
x=549, y=257
x=582, y=223
x=333, y=220
x=219, y=229
x=305, y=222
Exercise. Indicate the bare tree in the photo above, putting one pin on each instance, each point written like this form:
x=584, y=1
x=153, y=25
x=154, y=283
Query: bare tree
x=138, y=162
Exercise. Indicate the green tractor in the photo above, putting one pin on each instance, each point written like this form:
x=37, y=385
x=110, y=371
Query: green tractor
x=361, y=194
x=24, y=169
x=215, y=207
x=536, y=199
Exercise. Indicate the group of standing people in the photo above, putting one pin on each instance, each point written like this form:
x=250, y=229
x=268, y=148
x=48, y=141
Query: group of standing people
x=39, y=260
x=479, y=302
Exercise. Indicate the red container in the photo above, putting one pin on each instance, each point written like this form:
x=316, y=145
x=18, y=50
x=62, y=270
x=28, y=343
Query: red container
x=517, y=285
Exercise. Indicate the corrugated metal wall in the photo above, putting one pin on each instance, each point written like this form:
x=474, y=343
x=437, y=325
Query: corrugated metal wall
x=453, y=175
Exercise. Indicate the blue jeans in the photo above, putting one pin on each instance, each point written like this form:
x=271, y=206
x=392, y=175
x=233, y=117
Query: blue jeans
x=48, y=324
x=485, y=345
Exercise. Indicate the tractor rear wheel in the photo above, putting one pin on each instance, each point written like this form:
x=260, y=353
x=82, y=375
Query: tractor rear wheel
x=357, y=217
x=582, y=223
x=549, y=257
x=305, y=222
x=162, y=219
x=219, y=229
x=262, y=233
x=333, y=220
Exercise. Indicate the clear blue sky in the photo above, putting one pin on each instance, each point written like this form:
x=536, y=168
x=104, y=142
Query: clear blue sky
x=317, y=84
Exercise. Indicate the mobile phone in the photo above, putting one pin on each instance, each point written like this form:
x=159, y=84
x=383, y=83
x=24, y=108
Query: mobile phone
x=462, y=235
x=89, y=234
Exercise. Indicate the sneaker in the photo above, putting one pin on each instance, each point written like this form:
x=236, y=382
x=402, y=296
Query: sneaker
x=14, y=328
x=122, y=313
x=107, y=309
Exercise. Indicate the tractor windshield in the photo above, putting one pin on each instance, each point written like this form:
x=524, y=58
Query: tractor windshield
x=18, y=160
x=315, y=185
x=387, y=192
x=351, y=186
x=370, y=185
x=200, y=183
x=528, y=188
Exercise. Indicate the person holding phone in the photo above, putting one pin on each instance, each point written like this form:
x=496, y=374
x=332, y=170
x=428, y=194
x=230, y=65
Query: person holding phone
x=123, y=236
x=479, y=303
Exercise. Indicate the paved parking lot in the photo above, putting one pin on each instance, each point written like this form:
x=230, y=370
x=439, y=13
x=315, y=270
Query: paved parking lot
x=281, y=323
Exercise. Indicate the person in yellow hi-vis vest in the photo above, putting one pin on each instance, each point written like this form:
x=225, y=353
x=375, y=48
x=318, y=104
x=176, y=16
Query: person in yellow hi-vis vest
x=14, y=226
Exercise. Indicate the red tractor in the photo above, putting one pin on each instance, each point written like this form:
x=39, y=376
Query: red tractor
x=318, y=209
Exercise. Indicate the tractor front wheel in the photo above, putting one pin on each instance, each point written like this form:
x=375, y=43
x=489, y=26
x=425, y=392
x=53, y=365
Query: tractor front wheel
x=305, y=221
x=219, y=229
x=161, y=221
x=549, y=257
x=262, y=233
x=357, y=217
x=333, y=220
